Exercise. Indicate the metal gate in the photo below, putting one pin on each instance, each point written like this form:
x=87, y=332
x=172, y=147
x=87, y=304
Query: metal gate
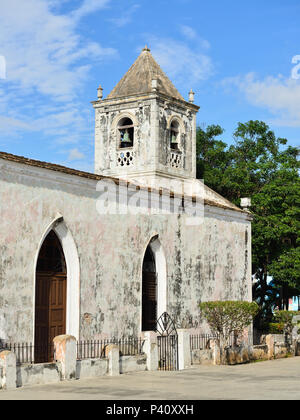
x=167, y=343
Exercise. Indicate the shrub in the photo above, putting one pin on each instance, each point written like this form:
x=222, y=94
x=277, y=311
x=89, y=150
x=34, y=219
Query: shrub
x=276, y=328
x=286, y=318
x=227, y=318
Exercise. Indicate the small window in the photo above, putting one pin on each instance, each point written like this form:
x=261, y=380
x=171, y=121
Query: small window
x=126, y=132
x=174, y=135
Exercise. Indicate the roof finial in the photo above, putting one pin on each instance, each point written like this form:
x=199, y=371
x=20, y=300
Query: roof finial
x=191, y=96
x=146, y=48
x=100, y=93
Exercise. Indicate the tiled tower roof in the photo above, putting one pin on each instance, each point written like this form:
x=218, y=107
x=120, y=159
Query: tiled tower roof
x=138, y=79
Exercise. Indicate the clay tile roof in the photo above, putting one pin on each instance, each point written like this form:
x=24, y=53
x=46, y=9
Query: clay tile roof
x=224, y=204
x=138, y=79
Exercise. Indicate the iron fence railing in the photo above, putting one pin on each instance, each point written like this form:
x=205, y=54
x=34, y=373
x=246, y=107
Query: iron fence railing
x=28, y=353
x=200, y=341
x=95, y=349
x=167, y=352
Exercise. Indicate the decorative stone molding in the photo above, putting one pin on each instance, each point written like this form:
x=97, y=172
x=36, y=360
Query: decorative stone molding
x=178, y=120
x=161, y=268
x=62, y=231
x=122, y=115
x=176, y=160
x=125, y=158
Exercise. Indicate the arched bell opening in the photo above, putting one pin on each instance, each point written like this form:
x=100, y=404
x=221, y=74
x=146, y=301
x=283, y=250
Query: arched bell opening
x=174, y=135
x=126, y=133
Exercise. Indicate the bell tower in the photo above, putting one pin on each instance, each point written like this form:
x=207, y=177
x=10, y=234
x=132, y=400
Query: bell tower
x=144, y=130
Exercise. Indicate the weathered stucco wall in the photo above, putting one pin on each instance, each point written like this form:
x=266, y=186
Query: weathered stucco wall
x=107, y=137
x=29, y=375
x=207, y=262
x=152, y=116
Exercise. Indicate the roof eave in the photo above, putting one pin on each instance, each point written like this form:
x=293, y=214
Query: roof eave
x=143, y=96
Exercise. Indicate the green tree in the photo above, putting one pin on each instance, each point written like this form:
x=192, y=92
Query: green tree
x=227, y=318
x=212, y=156
x=261, y=166
x=286, y=269
x=287, y=319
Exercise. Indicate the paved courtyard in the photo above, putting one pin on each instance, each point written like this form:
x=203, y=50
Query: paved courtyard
x=276, y=380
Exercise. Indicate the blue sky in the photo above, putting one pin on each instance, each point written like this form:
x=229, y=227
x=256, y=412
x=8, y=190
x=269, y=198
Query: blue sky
x=237, y=57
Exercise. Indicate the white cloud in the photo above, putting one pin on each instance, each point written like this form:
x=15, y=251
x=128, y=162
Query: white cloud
x=188, y=32
x=75, y=154
x=11, y=126
x=89, y=6
x=185, y=65
x=2, y=67
x=43, y=50
x=192, y=34
x=279, y=95
x=48, y=63
x=126, y=16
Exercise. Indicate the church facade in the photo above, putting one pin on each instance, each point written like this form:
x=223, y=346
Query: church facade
x=78, y=258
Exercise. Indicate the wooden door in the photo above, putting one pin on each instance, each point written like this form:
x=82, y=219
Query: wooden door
x=50, y=313
x=149, y=301
x=50, y=305
x=41, y=340
x=149, y=292
x=57, y=309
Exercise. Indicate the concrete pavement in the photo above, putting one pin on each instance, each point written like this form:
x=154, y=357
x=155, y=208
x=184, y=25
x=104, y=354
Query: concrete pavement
x=275, y=380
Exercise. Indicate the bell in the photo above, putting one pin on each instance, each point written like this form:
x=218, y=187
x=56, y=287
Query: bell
x=174, y=139
x=126, y=138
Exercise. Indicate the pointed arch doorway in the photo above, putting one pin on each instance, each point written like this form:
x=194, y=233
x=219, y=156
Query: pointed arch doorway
x=50, y=297
x=154, y=285
x=149, y=292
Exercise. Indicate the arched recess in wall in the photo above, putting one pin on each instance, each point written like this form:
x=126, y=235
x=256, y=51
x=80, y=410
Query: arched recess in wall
x=176, y=130
x=154, y=284
x=178, y=120
x=122, y=116
x=69, y=249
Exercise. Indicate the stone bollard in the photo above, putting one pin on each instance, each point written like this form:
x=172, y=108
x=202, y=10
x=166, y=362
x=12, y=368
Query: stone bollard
x=297, y=347
x=271, y=346
x=214, y=345
x=9, y=370
x=66, y=354
x=151, y=351
x=184, y=351
x=113, y=354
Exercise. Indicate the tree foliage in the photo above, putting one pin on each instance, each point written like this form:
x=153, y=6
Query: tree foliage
x=261, y=166
x=212, y=156
x=227, y=318
x=287, y=319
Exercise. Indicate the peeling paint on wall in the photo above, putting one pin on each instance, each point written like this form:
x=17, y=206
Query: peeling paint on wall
x=204, y=263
